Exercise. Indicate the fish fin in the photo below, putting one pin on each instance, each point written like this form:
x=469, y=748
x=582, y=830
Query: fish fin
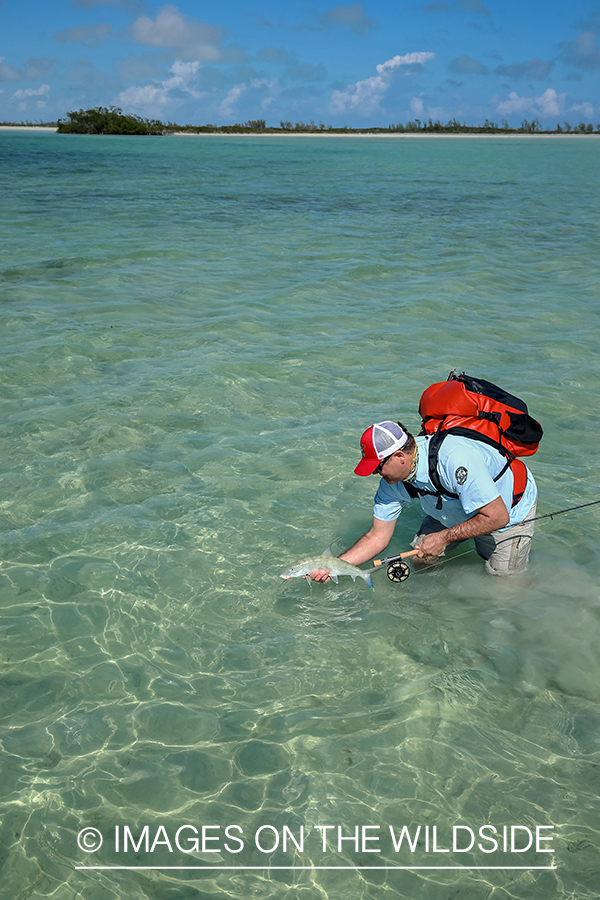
x=327, y=552
x=333, y=577
x=368, y=580
x=307, y=578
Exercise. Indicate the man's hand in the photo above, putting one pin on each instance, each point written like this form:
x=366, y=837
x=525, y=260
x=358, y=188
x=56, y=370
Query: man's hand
x=321, y=575
x=490, y=517
x=432, y=545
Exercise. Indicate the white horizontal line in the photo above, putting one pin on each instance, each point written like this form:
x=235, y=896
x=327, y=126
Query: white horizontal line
x=294, y=868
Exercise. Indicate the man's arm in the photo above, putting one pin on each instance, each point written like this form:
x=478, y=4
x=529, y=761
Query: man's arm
x=367, y=547
x=489, y=518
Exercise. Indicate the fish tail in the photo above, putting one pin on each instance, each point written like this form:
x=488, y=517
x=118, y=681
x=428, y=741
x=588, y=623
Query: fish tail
x=368, y=580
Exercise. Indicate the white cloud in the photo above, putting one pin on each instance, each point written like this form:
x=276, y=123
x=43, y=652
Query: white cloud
x=409, y=59
x=547, y=104
x=151, y=99
x=586, y=108
x=265, y=92
x=172, y=30
x=42, y=91
x=416, y=105
x=147, y=99
x=365, y=96
x=437, y=112
x=226, y=107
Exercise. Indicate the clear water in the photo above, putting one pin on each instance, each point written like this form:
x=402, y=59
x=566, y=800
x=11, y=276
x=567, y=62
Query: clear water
x=194, y=334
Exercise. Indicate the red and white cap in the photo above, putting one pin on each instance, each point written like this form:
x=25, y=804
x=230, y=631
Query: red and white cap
x=378, y=442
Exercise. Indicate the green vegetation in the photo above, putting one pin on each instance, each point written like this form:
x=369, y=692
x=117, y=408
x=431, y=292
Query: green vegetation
x=112, y=120
x=103, y=120
x=259, y=126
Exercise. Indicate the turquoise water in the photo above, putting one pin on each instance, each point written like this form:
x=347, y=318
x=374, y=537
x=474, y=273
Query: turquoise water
x=195, y=331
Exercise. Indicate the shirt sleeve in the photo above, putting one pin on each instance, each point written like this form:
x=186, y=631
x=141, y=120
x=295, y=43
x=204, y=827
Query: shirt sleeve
x=388, y=501
x=464, y=472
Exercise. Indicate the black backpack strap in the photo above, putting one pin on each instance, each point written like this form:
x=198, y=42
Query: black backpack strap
x=474, y=436
x=434, y=449
x=414, y=492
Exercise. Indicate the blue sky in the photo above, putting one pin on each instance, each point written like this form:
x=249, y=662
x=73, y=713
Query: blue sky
x=371, y=63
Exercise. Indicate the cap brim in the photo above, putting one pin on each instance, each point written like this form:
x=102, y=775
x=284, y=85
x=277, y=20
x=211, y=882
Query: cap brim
x=366, y=466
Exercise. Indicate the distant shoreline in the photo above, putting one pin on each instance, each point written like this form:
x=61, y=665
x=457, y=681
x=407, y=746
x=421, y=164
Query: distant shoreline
x=324, y=134
x=393, y=135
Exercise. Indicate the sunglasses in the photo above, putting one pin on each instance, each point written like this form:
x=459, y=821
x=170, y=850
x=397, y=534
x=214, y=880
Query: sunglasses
x=379, y=469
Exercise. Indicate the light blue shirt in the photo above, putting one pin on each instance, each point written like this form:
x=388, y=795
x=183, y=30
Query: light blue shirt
x=466, y=468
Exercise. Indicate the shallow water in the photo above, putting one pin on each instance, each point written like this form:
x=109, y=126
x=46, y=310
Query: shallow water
x=194, y=334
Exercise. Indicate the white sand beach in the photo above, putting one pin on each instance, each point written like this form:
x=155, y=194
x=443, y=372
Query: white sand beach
x=27, y=128
x=329, y=134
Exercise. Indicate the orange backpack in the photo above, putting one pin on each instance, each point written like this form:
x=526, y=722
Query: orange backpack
x=482, y=411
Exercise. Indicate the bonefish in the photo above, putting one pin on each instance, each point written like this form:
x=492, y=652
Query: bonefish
x=333, y=564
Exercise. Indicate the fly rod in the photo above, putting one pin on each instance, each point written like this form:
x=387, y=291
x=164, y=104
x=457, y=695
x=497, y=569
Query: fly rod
x=399, y=571
x=558, y=512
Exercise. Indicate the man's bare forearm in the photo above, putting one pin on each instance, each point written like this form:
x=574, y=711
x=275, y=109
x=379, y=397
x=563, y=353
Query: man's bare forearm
x=370, y=544
x=470, y=528
x=489, y=518
x=366, y=547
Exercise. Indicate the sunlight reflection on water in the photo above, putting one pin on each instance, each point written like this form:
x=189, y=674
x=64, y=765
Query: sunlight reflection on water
x=190, y=352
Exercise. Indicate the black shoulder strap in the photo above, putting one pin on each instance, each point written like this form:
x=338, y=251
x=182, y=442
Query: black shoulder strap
x=414, y=492
x=434, y=449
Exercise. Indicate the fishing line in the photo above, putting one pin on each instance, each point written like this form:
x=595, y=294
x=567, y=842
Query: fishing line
x=423, y=569
x=546, y=516
x=559, y=512
x=398, y=571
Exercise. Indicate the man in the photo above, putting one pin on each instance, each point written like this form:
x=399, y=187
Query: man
x=482, y=510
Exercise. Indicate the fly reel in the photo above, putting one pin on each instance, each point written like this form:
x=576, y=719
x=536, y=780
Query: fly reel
x=397, y=569
x=398, y=572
